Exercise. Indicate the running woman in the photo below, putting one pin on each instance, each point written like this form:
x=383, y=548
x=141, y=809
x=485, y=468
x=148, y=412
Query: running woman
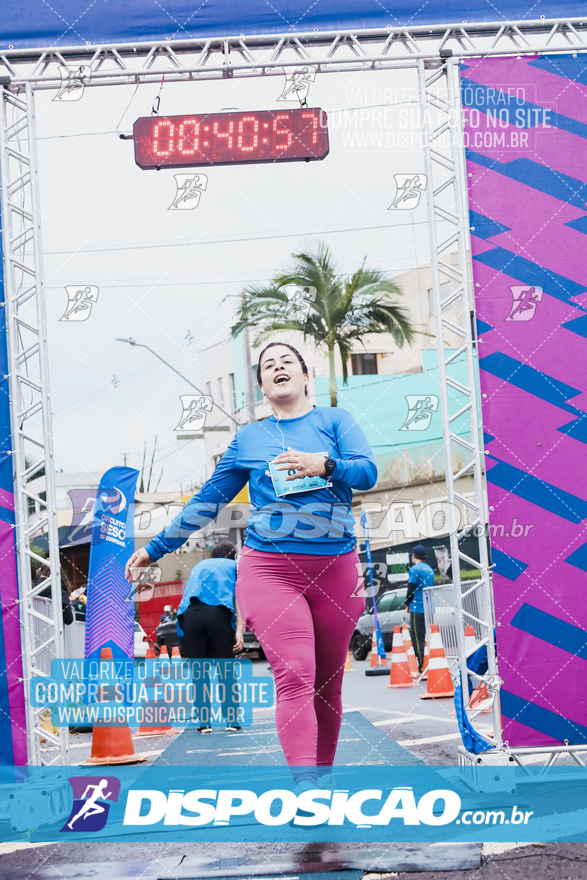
x=299, y=569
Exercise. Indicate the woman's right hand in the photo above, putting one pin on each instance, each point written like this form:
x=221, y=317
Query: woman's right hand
x=140, y=559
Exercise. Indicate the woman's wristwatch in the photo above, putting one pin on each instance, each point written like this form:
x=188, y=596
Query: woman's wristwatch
x=329, y=466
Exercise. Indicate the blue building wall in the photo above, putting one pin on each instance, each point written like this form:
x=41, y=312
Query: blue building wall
x=380, y=405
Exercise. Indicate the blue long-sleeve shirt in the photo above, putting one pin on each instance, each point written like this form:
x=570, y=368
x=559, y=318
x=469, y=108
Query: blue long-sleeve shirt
x=420, y=575
x=317, y=522
x=212, y=581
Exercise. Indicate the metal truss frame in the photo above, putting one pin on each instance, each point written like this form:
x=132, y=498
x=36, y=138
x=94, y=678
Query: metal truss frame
x=432, y=50
x=330, y=51
x=32, y=449
x=522, y=757
x=448, y=228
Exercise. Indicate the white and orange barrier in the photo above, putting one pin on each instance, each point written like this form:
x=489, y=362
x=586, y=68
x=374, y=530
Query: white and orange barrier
x=376, y=660
x=112, y=745
x=144, y=730
x=470, y=640
x=399, y=674
x=439, y=682
x=424, y=674
x=410, y=653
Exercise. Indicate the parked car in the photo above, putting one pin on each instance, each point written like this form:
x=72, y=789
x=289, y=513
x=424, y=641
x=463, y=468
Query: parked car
x=140, y=641
x=252, y=644
x=391, y=611
x=167, y=635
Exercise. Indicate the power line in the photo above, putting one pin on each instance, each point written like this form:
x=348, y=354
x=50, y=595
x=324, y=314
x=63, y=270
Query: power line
x=135, y=373
x=152, y=283
x=140, y=247
x=149, y=282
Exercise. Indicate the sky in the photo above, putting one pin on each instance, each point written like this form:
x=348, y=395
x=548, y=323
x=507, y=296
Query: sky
x=168, y=278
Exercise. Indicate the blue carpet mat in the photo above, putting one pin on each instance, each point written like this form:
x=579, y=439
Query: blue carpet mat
x=360, y=743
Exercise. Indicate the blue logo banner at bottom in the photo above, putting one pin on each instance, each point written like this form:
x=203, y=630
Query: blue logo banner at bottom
x=361, y=804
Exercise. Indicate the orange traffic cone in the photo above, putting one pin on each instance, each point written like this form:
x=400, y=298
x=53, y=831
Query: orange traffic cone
x=112, y=745
x=376, y=660
x=424, y=674
x=163, y=652
x=470, y=640
x=175, y=652
x=479, y=697
x=348, y=665
x=439, y=682
x=410, y=653
x=399, y=674
x=152, y=731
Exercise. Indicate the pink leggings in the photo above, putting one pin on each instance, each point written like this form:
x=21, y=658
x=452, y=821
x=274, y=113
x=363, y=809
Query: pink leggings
x=303, y=612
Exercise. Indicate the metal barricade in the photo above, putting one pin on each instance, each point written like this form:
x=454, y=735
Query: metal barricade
x=440, y=608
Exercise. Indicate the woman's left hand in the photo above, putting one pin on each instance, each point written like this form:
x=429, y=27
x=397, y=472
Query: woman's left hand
x=305, y=464
x=239, y=642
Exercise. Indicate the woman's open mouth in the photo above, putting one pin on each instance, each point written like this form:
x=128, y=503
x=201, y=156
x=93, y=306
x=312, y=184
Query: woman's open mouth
x=281, y=379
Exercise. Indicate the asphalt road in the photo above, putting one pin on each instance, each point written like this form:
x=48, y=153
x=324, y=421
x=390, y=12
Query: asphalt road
x=427, y=728
x=551, y=861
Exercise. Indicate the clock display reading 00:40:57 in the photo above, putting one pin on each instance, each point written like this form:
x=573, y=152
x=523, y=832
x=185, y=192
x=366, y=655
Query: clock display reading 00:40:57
x=231, y=138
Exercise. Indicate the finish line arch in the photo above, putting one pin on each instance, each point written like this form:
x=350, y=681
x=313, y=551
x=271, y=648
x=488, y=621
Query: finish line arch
x=430, y=51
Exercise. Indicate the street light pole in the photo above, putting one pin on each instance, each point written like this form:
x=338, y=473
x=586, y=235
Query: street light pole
x=132, y=341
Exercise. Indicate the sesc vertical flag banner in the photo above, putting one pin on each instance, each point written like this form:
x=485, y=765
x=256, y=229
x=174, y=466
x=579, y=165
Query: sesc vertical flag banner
x=109, y=617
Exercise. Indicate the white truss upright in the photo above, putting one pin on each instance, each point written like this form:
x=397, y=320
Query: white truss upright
x=449, y=232
x=32, y=450
x=434, y=50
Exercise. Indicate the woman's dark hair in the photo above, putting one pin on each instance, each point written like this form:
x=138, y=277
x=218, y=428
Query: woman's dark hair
x=291, y=348
x=224, y=550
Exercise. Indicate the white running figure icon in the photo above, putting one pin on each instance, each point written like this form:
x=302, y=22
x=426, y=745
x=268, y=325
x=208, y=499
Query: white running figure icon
x=91, y=808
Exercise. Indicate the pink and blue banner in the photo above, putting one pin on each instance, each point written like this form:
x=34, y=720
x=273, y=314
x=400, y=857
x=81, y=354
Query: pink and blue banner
x=110, y=611
x=13, y=745
x=526, y=138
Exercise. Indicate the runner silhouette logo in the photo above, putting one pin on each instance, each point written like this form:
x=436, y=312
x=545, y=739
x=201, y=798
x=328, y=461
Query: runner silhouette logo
x=421, y=408
x=90, y=802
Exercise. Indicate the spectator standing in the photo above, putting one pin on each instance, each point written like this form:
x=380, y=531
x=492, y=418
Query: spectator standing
x=45, y=572
x=208, y=618
x=79, y=601
x=166, y=616
x=420, y=575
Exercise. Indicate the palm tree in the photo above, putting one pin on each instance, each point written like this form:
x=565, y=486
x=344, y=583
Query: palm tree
x=344, y=309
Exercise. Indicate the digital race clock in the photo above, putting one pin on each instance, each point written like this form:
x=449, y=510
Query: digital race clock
x=231, y=138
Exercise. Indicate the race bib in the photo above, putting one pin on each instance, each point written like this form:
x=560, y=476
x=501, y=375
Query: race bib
x=283, y=486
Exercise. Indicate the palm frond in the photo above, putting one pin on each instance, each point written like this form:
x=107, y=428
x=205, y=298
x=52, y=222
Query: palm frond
x=343, y=311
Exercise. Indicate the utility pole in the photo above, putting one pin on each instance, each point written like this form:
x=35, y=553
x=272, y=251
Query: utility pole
x=250, y=394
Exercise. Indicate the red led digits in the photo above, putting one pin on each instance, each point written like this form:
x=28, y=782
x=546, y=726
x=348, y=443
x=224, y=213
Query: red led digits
x=280, y=127
x=295, y=135
x=184, y=136
x=166, y=136
x=311, y=115
x=252, y=134
x=224, y=134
